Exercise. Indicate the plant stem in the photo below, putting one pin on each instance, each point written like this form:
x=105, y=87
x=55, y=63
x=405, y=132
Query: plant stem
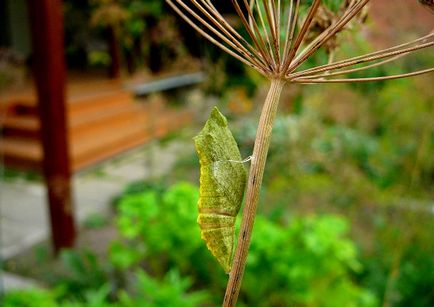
x=260, y=151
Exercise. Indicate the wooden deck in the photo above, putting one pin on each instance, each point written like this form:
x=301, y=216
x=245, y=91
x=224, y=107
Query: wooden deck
x=103, y=120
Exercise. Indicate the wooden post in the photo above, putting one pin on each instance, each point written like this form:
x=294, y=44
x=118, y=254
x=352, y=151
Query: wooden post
x=49, y=71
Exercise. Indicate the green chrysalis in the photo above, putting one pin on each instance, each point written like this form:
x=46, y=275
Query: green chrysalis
x=222, y=182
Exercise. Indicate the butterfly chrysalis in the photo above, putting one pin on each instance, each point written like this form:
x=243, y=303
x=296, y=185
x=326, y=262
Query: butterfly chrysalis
x=222, y=183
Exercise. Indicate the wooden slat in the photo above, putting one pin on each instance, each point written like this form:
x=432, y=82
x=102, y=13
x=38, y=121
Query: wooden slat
x=22, y=149
x=100, y=125
x=91, y=146
x=21, y=122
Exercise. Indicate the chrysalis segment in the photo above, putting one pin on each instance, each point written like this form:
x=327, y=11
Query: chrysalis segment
x=222, y=183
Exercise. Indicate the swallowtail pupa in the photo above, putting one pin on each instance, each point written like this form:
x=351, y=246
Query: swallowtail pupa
x=222, y=183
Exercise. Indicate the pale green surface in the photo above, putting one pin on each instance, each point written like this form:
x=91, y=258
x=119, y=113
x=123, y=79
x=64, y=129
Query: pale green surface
x=222, y=184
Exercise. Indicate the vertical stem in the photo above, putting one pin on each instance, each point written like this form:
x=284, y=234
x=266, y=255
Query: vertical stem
x=260, y=151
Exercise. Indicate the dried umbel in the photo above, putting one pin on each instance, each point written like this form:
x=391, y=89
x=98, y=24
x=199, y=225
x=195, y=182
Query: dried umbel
x=428, y=3
x=325, y=17
x=277, y=31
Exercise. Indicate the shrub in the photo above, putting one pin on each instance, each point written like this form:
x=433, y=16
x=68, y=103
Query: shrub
x=171, y=291
x=31, y=297
x=308, y=262
x=148, y=291
x=159, y=231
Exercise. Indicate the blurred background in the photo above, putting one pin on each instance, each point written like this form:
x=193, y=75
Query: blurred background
x=99, y=101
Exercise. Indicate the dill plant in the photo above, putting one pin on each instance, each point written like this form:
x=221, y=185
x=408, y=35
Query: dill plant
x=281, y=37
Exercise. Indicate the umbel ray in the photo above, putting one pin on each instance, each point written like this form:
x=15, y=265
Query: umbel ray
x=281, y=35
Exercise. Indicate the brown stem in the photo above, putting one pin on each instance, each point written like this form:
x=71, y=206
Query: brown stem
x=260, y=151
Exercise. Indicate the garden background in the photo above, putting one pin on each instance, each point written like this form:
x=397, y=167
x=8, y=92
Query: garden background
x=346, y=210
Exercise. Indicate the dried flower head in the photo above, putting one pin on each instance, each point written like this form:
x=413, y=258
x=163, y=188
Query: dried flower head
x=428, y=4
x=325, y=17
x=282, y=35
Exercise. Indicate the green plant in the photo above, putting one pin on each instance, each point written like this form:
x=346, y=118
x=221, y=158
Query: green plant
x=99, y=58
x=302, y=262
x=412, y=287
x=145, y=34
x=149, y=216
x=310, y=261
x=84, y=273
x=147, y=291
x=400, y=275
x=155, y=223
x=13, y=175
x=171, y=291
x=95, y=220
x=29, y=298
x=93, y=298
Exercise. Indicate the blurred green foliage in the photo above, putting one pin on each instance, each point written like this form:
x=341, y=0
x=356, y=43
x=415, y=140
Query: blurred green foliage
x=155, y=223
x=31, y=297
x=318, y=258
x=85, y=273
x=170, y=291
x=148, y=37
x=309, y=261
